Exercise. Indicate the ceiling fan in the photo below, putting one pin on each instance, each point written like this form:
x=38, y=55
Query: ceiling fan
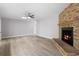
x=28, y=15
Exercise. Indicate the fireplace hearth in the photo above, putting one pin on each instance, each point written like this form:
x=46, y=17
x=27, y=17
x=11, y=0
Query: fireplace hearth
x=67, y=35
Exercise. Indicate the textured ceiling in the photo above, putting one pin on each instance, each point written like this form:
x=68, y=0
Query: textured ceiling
x=40, y=10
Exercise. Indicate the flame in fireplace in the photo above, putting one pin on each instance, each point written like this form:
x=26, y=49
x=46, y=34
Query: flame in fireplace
x=67, y=37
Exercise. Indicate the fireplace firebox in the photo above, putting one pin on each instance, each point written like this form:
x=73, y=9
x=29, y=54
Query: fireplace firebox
x=67, y=35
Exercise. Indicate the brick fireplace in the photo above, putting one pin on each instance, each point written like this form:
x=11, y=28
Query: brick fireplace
x=69, y=25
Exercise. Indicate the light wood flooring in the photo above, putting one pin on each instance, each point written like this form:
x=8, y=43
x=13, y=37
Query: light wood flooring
x=28, y=46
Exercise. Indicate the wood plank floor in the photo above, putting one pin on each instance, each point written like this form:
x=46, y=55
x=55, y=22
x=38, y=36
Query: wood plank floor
x=31, y=46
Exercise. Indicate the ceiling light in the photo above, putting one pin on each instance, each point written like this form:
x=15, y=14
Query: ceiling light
x=28, y=15
x=24, y=17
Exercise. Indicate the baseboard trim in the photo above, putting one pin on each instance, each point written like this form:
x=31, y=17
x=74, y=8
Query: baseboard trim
x=44, y=36
x=16, y=36
x=9, y=37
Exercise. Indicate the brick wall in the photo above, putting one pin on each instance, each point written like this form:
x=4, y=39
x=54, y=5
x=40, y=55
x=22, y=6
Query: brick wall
x=69, y=17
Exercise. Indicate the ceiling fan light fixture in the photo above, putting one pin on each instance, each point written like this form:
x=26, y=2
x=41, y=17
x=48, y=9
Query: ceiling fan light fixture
x=28, y=15
x=24, y=17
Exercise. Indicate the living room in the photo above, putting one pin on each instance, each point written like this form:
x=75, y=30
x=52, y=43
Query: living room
x=39, y=29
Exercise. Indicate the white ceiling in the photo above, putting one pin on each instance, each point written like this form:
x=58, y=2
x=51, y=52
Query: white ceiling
x=40, y=10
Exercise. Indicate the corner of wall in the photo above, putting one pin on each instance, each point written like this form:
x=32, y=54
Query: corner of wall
x=44, y=36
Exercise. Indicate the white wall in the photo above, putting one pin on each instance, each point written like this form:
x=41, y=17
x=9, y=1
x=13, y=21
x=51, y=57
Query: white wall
x=48, y=28
x=14, y=27
x=0, y=28
x=46, y=15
